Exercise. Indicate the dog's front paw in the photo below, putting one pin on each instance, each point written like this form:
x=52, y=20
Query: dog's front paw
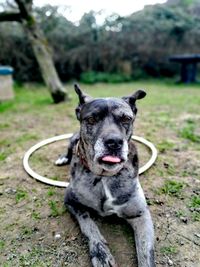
x=62, y=160
x=101, y=256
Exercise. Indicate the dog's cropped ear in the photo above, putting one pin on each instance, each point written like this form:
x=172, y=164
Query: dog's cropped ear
x=133, y=98
x=83, y=98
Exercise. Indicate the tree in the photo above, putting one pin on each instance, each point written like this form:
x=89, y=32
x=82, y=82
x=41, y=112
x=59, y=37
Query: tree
x=40, y=46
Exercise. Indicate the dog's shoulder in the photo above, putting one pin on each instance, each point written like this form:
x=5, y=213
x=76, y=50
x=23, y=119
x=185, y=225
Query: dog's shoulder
x=133, y=156
x=74, y=140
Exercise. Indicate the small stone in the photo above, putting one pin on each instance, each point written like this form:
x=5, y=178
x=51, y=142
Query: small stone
x=170, y=262
x=57, y=236
x=159, y=202
x=10, y=191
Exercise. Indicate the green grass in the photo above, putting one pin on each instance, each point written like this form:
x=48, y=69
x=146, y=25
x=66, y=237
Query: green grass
x=181, y=213
x=38, y=159
x=188, y=132
x=28, y=97
x=195, y=202
x=6, y=149
x=20, y=195
x=196, y=216
x=32, y=258
x=51, y=192
x=168, y=250
x=3, y=156
x=162, y=118
x=55, y=208
x=128, y=232
x=26, y=231
x=159, y=93
x=6, y=106
x=172, y=188
x=165, y=146
x=2, y=244
x=27, y=137
x=36, y=215
x=194, y=209
x=7, y=265
x=4, y=125
x=55, y=178
x=194, y=206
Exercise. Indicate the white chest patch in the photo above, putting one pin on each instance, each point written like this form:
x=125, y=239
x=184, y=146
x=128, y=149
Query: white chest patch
x=109, y=207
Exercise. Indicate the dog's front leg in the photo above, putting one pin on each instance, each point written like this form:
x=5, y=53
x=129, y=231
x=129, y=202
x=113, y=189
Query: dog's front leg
x=66, y=158
x=99, y=252
x=144, y=239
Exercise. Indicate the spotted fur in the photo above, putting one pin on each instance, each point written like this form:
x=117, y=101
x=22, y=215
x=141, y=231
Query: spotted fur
x=106, y=126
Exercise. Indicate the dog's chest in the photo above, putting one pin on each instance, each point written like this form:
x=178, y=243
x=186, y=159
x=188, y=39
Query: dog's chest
x=108, y=206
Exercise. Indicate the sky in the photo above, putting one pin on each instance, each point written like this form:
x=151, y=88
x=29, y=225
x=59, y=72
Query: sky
x=74, y=9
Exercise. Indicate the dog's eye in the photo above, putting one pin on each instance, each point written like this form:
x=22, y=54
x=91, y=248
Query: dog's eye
x=125, y=119
x=91, y=120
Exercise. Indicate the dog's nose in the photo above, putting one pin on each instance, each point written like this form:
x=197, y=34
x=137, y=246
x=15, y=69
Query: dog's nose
x=114, y=143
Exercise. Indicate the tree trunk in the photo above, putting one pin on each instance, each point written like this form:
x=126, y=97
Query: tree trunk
x=40, y=47
x=44, y=58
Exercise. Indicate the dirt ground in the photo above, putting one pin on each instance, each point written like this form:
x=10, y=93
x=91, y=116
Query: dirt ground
x=37, y=231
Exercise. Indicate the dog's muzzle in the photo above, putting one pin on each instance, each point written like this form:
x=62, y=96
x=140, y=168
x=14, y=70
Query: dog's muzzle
x=113, y=146
x=111, y=152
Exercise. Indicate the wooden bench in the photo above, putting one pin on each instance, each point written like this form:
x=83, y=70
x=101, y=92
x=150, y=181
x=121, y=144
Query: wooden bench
x=188, y=66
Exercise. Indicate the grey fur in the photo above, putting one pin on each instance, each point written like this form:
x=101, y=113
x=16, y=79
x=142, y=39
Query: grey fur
x=106, y=126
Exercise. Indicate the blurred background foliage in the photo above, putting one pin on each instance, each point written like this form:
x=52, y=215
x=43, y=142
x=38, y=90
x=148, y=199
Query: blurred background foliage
x=121, y=49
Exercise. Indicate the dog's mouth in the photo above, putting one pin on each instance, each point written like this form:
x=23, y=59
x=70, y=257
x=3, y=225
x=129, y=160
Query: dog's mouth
x=110, y=160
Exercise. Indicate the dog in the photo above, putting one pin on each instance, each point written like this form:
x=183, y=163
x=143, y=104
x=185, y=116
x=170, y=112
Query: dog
x=104, y=175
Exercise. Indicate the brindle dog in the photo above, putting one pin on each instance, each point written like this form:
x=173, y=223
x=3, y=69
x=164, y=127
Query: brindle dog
x=104, y=175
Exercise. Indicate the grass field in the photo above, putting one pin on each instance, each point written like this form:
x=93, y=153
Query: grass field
x=36, y=230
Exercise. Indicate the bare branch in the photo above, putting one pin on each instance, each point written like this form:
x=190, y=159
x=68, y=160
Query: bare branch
x=25, y=7
x=10, y=16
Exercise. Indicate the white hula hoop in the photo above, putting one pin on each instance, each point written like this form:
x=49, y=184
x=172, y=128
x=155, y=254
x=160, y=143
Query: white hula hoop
x=67, y=136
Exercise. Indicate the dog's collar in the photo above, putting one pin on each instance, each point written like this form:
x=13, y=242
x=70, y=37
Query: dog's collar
x=81, y=156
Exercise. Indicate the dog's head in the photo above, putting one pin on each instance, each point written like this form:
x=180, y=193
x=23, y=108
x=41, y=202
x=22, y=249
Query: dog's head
x=106, y=126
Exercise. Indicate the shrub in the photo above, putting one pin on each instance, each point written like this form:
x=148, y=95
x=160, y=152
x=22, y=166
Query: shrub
x=92, y=77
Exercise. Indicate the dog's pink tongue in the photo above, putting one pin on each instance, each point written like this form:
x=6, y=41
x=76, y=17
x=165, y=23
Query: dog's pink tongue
x=111, y=159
